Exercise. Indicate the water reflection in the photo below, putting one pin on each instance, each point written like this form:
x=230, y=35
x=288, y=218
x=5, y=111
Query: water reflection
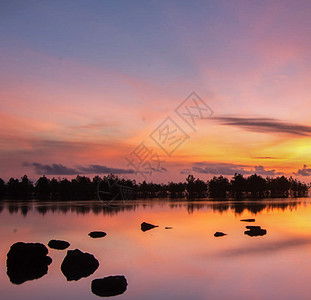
x=187, y=262
x=96, y=207
x=267, y=248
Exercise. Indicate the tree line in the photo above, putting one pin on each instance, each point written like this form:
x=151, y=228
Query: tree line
x=108, y=187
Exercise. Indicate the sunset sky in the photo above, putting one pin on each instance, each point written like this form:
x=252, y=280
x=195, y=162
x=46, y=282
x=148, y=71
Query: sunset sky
x=84, y=83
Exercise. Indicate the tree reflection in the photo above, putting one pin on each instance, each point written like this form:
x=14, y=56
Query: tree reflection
x=96, y=208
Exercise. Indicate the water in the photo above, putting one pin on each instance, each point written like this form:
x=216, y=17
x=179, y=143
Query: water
x=185, y=262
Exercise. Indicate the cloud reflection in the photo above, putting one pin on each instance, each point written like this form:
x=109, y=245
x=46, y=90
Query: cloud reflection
x=267, y=247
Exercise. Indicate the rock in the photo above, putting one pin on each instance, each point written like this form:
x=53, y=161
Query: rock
x=27, y=261
x=97, y=234
x=255, y=231
x=109, y=286
x=167, y=227
x=248, y=220
x=253, y=227
x=146, y=226
x=58, y=245
x=219, y=234
x=77, y=264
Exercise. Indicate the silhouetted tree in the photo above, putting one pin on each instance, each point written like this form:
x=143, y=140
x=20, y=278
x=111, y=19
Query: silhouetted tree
x=278, y=187
x=82, y=188
x=2, y=189
x=55, y=189
x=298, y=189
x=195, y=188
x=238, y=185
x=218, y=187
x=176, y=190
x=26, y=188
x=146, y=190
x=13, y=188
x=42, y=188
x=256, y=185
x=65, y=190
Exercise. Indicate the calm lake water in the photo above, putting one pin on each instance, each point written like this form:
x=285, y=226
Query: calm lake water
x=184, y=262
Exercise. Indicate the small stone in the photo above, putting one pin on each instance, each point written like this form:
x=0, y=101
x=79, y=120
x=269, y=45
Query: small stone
x=146, y=226
x=217, y=234
x=58, y=245
x=109, y=286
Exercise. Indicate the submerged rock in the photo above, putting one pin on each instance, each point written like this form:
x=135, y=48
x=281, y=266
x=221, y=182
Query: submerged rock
x=109, y=286
x=255, y=231
x=97, y=234
x=217, y=234
x=58, y=245
x=248, y=220
x=146, y=226
x=27, y=261
x=77, y=264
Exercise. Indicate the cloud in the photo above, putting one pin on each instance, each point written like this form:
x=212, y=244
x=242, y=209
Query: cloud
x=59, y=169
x=261, y=170
x=53, y=169
x=228, y=169
x=265, y=157
x=305, y=171
x=160, y=170
x=99, y=169
x=265, y=125
x=221, y=168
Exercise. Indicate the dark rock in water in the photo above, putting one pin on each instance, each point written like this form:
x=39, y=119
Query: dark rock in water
x=58, y=245
x=217, y=234
x=253, y=227
x=248, y=220
x=146, y=226
x=97, y=234
x=167, y=227
x=77, y=264
x=27, y=261
x=255, y=231
x=109, y=286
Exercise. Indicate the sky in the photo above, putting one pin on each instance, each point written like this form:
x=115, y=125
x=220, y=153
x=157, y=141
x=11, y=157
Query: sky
x=155, y=90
